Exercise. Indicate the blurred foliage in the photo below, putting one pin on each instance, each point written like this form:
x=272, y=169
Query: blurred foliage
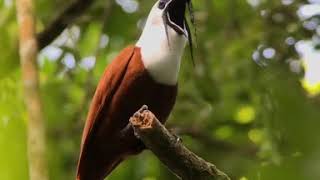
x=244, y=106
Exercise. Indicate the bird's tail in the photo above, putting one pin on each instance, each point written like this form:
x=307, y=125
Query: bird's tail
x=98, y=159
x=97, y=168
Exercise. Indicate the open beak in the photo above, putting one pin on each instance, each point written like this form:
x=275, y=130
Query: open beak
x=175, y=15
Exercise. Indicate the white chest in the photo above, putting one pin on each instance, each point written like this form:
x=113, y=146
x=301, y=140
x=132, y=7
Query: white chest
x=161, y=57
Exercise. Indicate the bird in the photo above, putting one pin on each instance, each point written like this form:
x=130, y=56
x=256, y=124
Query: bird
x=145, y=73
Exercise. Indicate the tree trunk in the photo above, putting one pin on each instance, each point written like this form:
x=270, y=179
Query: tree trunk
x=28, y=56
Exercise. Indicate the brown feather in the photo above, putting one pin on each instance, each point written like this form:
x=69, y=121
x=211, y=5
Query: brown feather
x=124, y=87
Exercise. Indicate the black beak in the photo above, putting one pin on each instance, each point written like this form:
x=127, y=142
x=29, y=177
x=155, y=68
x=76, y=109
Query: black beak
x=175, y=12
x=174, y=16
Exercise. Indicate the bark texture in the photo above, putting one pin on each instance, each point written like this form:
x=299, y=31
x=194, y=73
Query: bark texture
x=169, y=149
x=28, y=55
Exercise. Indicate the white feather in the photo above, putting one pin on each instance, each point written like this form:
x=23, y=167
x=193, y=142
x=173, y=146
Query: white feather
x=160, y=57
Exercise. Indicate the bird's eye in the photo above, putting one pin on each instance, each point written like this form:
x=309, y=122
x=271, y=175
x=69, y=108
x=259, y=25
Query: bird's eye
x=162, y=4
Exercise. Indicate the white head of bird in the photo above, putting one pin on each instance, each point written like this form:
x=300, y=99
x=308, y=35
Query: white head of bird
x=163, y=40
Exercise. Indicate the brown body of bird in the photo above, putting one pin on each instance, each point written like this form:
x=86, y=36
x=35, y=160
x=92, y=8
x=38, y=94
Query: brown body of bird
x=142, y=74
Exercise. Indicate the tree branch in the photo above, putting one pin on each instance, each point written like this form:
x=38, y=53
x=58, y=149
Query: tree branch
x=68, y=16
x=30, y=77
x=167, y=147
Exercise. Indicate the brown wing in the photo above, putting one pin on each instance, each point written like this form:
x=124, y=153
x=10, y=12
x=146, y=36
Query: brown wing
x=106, y=88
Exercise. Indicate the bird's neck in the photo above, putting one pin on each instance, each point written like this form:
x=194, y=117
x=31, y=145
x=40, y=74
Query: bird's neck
x=161, y=54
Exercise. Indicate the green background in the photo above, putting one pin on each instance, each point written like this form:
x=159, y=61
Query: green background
x=244, y=106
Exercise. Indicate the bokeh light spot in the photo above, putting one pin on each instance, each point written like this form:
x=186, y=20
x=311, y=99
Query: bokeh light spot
x=256, y=135
x=245, y=114
x=269, y=53
x=243, y=178
x=224, y=132
x=312, y=89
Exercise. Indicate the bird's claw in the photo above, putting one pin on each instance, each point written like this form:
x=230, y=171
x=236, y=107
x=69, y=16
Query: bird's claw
x=177, y=138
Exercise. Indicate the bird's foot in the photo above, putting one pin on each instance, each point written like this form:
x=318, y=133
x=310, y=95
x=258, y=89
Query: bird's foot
x=177, y=137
